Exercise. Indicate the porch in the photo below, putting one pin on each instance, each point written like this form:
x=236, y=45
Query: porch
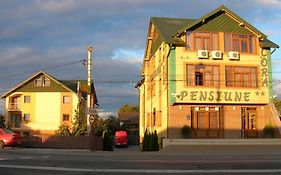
x=205, y=142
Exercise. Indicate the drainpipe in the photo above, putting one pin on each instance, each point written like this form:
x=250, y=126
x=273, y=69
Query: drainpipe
x=168, y=102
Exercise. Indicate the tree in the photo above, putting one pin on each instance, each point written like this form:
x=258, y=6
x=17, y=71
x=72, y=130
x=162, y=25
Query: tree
x=63, y=130
x=150, y=141
x=277, y=104
x=129, y=108
x=145, y=141
x=79, y=125
x=112, y=125
x=98, y=126
x=155, y=144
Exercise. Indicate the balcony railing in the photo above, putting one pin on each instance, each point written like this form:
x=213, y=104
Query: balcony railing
x=14, y=107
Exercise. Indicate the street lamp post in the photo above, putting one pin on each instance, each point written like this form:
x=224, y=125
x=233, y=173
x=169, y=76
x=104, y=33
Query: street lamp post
x=89, y=77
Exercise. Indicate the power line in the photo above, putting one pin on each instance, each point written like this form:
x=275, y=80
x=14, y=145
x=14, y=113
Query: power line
x=9, y=75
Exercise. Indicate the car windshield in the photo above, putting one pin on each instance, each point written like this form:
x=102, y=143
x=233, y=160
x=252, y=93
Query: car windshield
x=7, y=131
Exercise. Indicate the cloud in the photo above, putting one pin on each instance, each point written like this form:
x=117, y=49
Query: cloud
x=14, y=55
x=58, y=6
x=270, y=3
x=130, y=55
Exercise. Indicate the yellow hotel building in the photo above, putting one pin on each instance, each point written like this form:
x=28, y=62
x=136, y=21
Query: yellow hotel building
x=212, y=74
x=40, y=104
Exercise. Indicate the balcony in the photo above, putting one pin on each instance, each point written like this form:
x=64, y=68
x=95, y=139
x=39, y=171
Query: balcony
x=14, y=107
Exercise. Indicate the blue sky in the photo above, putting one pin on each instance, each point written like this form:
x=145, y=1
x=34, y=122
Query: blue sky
x=53, y=36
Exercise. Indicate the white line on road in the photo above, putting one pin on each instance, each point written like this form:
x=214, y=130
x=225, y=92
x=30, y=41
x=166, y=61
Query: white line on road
x=14, y=158
x=156, y=171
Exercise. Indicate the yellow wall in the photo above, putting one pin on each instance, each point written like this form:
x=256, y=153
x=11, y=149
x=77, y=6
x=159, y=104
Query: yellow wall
x=153, y=94
x=46, y=110
x=28, y=108
x=198, y=94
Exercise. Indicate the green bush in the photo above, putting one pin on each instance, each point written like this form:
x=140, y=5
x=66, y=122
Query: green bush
x=145, y=142
x=186, y=131
x=63, y=130
x=155, y=144
x=269, y=131
x=150, y=142
x=107, y=142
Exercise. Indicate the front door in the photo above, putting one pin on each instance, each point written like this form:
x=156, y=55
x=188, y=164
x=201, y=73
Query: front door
x=249, y=123
x=205, y=122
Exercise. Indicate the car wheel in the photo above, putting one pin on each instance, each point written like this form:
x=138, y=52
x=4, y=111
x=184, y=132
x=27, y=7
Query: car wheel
x=1, y=144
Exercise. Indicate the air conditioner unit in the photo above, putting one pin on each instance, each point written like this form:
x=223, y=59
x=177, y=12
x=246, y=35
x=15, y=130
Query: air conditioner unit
x=202, y=54
x=216, y=55
x=233, y=55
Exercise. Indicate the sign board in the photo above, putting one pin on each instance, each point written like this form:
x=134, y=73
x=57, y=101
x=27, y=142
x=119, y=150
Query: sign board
x=91, y=119
x=85, y=88
x=92, y=111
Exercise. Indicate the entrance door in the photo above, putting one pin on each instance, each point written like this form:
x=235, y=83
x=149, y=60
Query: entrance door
x=205, y=123
x=249, y=123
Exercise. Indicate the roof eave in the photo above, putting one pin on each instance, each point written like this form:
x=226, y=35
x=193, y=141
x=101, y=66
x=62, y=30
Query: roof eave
x=33, y=76
x=229, y=12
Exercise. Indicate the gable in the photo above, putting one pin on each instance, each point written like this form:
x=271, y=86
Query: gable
x=31, y=86
x=222, y=23
x=166, y=29
x=217, y=12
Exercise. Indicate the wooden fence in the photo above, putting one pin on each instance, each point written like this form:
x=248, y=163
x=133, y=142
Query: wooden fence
x=71, y=142
x=65, y=142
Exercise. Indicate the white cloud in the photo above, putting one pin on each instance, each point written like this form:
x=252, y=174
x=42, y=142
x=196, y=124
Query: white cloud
x=130, y=55
x=14, y=55
x=59, y=6
x=270, y=3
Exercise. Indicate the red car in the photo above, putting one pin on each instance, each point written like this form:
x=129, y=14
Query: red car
x=9, y=138
x=121, y=138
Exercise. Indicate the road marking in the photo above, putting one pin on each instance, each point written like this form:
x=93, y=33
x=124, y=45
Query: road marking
x=14, y=158
x=156, y=171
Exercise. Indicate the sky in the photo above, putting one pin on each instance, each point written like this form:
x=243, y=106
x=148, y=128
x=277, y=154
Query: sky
x=53, y=36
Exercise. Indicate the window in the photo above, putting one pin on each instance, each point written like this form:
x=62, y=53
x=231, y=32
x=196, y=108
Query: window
x=205, y=121
x=202, y=41
x=26, y=117
x=38, y=81
x=237, y=76
x=240, y=43
x=16, y=120
x=201, y=120
x=26, y=99
x=66, y=99
x=65, y=117
x=202, y=75
x=46, y=81
x=213, y=120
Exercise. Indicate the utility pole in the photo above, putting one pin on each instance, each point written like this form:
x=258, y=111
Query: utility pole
x=89, y=78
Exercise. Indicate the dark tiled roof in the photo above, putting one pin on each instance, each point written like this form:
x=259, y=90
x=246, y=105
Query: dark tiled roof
x=268, y=44
x=72, y=84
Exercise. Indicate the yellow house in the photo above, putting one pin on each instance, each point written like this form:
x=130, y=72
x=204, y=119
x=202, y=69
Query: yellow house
x=40, y=104
x=212, y=74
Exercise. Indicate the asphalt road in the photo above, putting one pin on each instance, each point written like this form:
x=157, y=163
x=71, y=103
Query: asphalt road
x=172, y=160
